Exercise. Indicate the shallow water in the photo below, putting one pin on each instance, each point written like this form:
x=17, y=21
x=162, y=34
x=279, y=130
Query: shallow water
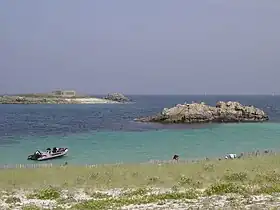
x=108, y=134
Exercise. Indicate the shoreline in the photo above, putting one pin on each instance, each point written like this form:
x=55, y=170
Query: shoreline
x=251, y=181
x=63, y=97
x=54, y=100
x=38, y=164
x=91, y=100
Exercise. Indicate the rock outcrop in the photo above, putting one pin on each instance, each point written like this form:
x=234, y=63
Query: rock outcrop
x=117, y=97
x=46, y=99
x=201, y=113
x=32, y=100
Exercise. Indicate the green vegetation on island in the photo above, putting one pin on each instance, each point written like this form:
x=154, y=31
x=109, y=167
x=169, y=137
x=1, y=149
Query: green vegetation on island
x=61, y=97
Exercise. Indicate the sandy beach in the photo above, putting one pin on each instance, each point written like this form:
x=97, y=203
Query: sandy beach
x=91, y=101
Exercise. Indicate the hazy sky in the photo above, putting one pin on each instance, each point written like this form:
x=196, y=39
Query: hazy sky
x=144, y=46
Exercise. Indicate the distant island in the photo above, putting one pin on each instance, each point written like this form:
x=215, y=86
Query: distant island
x=223, y=112
x=62, y=97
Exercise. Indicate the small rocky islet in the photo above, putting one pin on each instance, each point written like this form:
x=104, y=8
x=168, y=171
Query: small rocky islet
x=223, y=112
x=119, y=97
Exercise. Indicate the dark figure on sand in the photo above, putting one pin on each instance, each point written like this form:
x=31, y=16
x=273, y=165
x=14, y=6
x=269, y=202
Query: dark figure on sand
x=176, y=157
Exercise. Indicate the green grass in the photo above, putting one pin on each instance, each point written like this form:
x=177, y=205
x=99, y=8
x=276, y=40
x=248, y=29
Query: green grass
x=49, y=193
x=12, y=200
x=254, y=170
x=31, y=207
x=126, y=200
x=248, y=176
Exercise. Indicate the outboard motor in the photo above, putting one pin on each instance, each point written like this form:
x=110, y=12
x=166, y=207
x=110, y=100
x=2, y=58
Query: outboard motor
x=35, y=156
x=30, y=157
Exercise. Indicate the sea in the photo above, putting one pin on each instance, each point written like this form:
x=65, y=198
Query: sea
x=108, y=134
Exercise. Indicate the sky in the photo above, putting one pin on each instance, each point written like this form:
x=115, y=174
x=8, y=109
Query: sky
x=140, y=47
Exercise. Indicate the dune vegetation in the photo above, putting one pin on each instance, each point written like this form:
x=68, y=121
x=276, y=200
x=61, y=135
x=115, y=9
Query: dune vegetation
x=246, y=182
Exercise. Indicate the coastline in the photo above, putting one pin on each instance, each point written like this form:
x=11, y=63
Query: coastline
x=54, y=100
x=63, y=97
x=239, y=183
x=91, y=100
x=36, y=164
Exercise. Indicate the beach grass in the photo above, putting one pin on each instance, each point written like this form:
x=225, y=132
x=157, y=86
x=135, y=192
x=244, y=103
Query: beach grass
x=198, y=174
x=246, y=176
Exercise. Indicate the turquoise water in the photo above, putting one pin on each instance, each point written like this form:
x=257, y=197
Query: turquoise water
x=107, y=133
x=111, y=147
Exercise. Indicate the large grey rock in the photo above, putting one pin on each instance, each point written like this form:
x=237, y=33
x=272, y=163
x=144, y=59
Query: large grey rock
x=117, y=97
x=230, y=111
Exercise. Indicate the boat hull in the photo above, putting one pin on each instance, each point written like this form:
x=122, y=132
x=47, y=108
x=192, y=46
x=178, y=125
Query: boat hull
x=47, y=156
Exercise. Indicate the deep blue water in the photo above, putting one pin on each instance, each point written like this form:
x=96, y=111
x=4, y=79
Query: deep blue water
x=67, y=119
x=109, y=129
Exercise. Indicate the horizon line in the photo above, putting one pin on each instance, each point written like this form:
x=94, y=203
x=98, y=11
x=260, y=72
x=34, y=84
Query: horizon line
x=160, y=94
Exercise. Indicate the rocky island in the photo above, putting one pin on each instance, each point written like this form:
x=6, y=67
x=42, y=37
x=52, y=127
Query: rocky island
x=117, y=97
x=223, y=112
x=61, y=97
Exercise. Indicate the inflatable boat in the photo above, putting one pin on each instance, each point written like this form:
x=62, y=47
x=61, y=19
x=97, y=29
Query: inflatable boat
x=49, y=154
